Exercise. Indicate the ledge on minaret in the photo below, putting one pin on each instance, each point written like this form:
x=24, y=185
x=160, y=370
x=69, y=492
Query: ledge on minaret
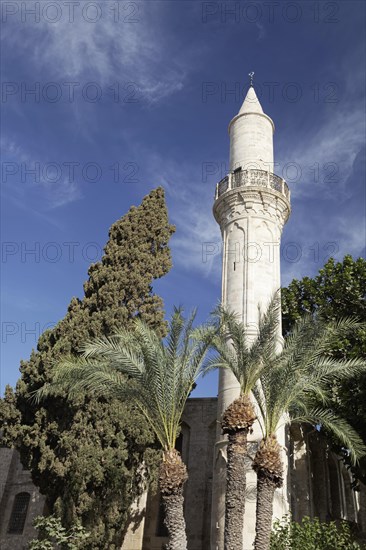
x=251, y=103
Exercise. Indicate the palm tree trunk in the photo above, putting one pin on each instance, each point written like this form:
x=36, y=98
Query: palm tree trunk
x=174, y=520
x=172, y=476
x=235, y=490
x=265, y=492
x=268, y=466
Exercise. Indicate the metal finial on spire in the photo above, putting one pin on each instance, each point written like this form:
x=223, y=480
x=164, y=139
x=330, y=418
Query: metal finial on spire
x=251, y=77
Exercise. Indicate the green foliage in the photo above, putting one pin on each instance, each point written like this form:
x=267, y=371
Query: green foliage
x=246, y=360
x=85, y=454
x=296, y=378
x=136, y=364
x=9, y=414
x=293, y=378
x=311, y=534
x=52, y=532
x=338, y=290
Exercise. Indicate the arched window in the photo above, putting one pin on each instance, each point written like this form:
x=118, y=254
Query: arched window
x=18, y=514
x=335, y=483
x=350, y=506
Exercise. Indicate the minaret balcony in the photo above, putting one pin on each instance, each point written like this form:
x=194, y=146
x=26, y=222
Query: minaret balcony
x=252, y=178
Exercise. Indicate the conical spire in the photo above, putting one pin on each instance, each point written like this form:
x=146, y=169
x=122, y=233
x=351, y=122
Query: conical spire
x=251, y=136
x=251, y=103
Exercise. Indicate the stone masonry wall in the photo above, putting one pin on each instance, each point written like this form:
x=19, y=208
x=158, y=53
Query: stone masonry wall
x=15, y=479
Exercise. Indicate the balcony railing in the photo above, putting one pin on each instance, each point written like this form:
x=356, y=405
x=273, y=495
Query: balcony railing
x=252, y=178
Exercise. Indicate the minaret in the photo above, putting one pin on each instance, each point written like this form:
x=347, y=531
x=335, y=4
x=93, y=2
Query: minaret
x=251, y=206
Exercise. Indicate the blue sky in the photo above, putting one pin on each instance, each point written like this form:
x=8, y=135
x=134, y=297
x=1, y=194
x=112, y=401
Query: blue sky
x=131, y=95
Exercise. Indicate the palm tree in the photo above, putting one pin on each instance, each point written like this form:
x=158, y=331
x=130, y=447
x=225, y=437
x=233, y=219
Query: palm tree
x=246, y=360
x=297, y=383
x=159, y=376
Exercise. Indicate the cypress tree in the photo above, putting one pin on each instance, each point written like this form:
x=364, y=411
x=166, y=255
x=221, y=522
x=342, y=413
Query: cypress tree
x=85, y=455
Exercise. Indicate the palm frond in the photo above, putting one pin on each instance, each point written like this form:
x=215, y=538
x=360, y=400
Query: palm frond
x=300, y=379
x=339, y=428
x=158, y=375
x=76, y=375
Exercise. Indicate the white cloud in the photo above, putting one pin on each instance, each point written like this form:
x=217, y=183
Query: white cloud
x=50, y=194
x=325, y=158
x=338, y=139
x=12, y=149
x=328, y=219
x=262, y=33
x=190, y=209
x=133, y=48
x=198, y=242
x=353, y=236
x=62, y=193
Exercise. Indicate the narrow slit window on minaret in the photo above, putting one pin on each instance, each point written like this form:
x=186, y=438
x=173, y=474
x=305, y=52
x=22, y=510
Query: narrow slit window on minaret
x=234, y=266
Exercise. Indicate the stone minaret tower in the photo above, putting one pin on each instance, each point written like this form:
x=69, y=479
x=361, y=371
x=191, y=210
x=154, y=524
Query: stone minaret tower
x=251, y=206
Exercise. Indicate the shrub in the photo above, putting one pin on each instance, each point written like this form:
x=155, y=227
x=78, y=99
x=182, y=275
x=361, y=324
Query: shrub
x=311, y=534
x=53, y=535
